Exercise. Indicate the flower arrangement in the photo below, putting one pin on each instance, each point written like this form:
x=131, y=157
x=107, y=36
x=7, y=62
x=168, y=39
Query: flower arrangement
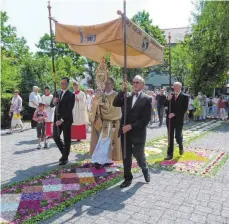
x=34, y=203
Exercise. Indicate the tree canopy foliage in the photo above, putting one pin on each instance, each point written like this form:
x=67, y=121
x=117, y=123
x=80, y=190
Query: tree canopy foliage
x=203, y=58
x=201, y=61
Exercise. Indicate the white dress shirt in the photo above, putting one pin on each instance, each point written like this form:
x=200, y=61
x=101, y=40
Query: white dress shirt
x=34, y=97
x=135, y=98
x=64, y=91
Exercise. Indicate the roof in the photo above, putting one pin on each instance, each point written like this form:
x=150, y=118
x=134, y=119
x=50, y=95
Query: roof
x=158, y=80
x=177, y=34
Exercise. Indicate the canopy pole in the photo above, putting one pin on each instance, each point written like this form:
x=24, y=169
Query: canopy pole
x=124, y=73
x=53, y=61
x=170, y=66
x=170, y=88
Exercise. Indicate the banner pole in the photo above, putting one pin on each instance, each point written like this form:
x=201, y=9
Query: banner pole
x=124, y=73
x=53, y=60
x=170, y=88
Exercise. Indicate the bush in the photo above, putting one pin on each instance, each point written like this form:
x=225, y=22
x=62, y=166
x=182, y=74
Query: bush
x=5, y=107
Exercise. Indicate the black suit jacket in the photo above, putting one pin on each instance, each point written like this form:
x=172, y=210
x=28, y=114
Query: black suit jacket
x=65, y=107
x=139, y=116
x=179, y=107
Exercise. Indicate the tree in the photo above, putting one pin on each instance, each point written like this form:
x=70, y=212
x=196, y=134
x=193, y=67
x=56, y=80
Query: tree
x=13, y=54
x=180, y=60
x=209, y=45
x=142, y=19
x=68, y=63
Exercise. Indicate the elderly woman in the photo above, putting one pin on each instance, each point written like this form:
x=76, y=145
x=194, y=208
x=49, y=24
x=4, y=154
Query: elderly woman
x=15, y=109
x=34, y=100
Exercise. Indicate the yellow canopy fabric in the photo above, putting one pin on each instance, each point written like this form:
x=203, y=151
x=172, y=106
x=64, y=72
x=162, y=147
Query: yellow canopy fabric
x=96, y=41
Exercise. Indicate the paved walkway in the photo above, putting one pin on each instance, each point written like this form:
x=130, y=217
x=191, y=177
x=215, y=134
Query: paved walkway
x=169, y=198
x=20, y=149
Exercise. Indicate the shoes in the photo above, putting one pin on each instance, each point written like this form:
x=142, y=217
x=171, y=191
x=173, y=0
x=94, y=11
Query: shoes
x=169, y=158
x=159, y=125
x=63, y=162
x=181, y=149
x=97, y=166
x=125, y=183
x=61, y=158
x=147, y=176
x=9, y=132
x=39, y=147
x=46, y=145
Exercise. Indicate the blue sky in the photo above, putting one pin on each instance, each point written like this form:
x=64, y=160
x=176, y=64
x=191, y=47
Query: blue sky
x=30, y=17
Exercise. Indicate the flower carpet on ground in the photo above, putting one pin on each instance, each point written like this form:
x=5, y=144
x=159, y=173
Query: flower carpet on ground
x=197, y=161
x=81, y=147
x=46, y=195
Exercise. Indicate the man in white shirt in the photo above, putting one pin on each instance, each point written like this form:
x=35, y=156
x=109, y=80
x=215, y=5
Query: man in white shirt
x=138, y=116
x=34, y=100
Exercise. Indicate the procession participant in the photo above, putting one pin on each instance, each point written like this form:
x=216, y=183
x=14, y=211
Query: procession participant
x=222, y=106
x=34, y=100
x=197, y=108
x=177, y=107
x=15, y=109
x=46, y=100
x=160, y=98
x=139, y=109
x=190, y=107
x=89, y=103
x=79, y=112
x=40, y=116
x=105, y=144
x=63, y=122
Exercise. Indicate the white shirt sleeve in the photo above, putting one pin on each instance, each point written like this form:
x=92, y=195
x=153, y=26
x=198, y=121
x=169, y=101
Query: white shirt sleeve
x=31, y=97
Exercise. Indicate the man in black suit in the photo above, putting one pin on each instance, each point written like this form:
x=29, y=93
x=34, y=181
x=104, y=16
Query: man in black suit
x=65, y=101
x=175, y=118
x=139, y=107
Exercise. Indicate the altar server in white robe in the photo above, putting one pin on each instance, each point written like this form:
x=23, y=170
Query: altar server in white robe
x=80, y=117
x=46, y=100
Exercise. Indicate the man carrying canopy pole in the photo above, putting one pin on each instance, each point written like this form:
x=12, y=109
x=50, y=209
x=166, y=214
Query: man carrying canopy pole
x=127, y=44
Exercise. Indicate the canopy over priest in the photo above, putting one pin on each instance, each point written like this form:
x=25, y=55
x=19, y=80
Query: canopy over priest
x=105, y=145
x=80, y=117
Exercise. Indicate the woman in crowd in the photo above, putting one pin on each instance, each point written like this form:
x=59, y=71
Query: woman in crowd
x=191, y=107
x=15, y=109
x=222, y=107
x=214, y=107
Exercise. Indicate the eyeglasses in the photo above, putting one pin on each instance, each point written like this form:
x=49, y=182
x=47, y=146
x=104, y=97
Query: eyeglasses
x=136, y=82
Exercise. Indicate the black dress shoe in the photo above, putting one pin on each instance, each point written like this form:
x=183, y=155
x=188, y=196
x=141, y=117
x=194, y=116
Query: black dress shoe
x=181, y=151
x=61, y=158
x=147, y=176
x=97, y=166
x=169, y=158
x=63, y=162
x=125, y=183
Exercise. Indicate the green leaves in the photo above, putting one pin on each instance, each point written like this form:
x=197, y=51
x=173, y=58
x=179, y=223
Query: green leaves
x=209, y=46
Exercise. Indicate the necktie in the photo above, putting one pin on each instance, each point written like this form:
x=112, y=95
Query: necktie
x=135, y=94
x=61, y=94
x=176, y=95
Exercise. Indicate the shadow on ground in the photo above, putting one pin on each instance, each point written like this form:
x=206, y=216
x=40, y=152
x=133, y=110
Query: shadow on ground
x=22, y=175
x=111, y=200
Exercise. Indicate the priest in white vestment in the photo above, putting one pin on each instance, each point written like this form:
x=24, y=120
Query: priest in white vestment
x=80, y=117
x=46, y=100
